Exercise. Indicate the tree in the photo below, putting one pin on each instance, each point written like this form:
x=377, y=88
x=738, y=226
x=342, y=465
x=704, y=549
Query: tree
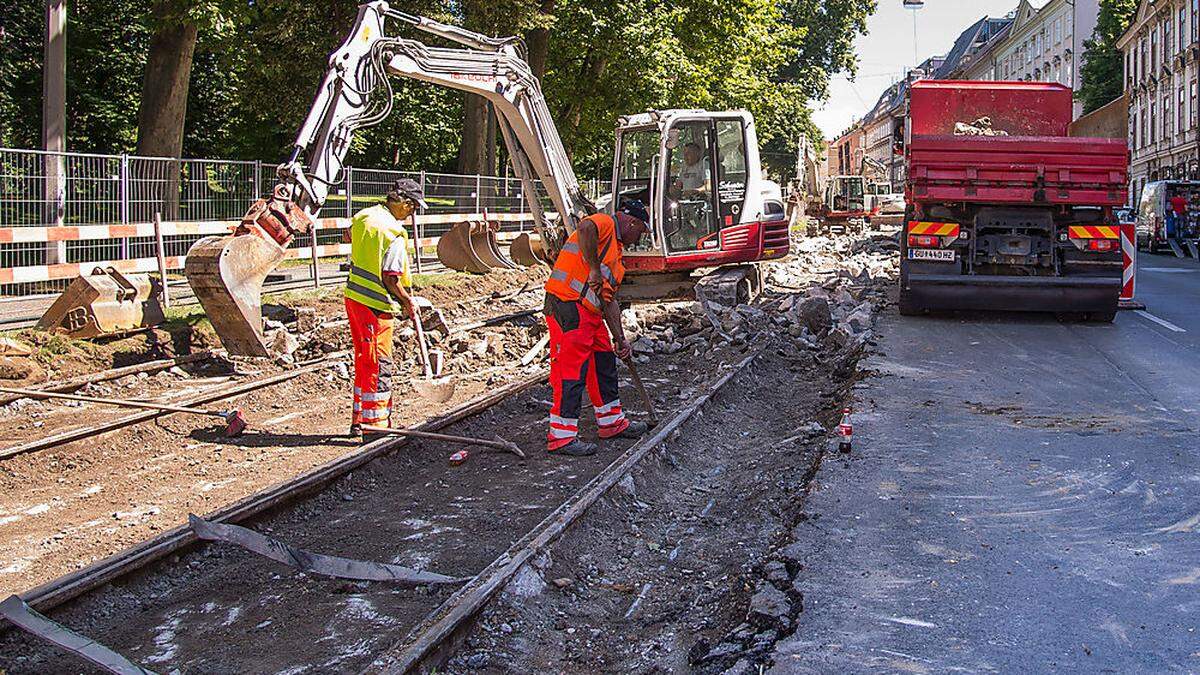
x=1102, y=73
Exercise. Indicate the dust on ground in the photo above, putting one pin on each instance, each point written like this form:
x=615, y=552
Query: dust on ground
x=66, y=507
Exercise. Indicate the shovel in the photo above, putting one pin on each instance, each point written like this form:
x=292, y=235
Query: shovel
x=431, y=387
x=637, y=382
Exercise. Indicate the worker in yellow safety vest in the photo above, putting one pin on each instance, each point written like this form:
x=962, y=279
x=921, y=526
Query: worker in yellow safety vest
x=580, y=301
x=376, y=291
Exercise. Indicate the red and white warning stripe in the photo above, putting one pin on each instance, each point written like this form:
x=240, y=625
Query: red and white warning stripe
x=1128, y=260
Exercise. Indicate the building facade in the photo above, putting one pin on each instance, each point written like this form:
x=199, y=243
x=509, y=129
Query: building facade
x=846, y=152
x=1160, y=50
x=1044, y=45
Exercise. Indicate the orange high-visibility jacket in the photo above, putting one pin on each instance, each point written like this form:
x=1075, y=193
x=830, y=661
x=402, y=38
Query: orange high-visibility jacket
x=568, y=281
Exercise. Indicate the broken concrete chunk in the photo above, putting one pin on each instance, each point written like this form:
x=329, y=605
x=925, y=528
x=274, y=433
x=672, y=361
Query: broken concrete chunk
x=814, y=314
x=284, y=343
x=769, y=606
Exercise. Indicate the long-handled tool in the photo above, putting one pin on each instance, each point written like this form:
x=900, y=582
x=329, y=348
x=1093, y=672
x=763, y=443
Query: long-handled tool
x=498, y=443
x=432, y=387
x=637, y=382
x=235, y=423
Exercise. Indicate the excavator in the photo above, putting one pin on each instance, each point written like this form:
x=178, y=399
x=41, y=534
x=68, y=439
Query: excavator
x=698, y=172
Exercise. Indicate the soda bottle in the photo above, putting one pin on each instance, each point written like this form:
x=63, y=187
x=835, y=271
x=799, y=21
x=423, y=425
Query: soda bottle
x=845, y=432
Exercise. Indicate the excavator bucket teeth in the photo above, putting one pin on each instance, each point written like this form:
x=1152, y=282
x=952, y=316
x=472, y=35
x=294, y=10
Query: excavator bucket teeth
x=526, y=250
x=104, y=302
x=483, y=243
x=226, y=274
x=455, y=251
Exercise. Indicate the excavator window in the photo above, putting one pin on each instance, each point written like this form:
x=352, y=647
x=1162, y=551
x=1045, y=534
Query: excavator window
x=691, y=220
x=731, y=171
x=639, y=148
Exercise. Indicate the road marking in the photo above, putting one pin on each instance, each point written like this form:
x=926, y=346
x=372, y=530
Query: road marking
x=1167, y=270
x=1162, y=322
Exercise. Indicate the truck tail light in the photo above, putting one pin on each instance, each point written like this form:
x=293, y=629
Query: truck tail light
x=923, y=241
x=1101, y=245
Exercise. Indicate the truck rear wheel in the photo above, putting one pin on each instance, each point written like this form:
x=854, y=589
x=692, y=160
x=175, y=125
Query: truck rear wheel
x=908, y=304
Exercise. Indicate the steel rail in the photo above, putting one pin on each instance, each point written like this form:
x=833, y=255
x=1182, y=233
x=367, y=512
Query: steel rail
x=427, y=640
x=60, y=590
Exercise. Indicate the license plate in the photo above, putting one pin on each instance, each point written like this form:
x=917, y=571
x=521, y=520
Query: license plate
x=936, y=254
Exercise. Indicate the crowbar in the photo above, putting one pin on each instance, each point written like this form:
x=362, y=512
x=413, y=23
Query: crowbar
x=499, y=443
x=637, y=382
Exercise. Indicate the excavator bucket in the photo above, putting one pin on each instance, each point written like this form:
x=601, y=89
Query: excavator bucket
x=483, y=242
x=227, y=274
x=526, y=250
x=456, y=252
x=102, y=303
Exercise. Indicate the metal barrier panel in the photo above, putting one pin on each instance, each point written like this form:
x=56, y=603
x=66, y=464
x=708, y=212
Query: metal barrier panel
x=42, y=189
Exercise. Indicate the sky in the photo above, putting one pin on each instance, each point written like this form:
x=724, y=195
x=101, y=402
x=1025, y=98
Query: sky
x=886, y=51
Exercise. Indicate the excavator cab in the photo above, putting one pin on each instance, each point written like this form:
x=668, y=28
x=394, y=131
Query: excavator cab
x=699, y=174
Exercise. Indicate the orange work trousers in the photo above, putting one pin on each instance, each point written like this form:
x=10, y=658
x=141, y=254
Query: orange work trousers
x=371, y=331
x=581, y=357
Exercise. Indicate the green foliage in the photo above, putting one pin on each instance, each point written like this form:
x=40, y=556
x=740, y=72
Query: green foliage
x=1103, y=68
x=258, y=62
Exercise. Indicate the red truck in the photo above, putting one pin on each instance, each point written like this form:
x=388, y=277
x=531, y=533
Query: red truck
x=1022, y=220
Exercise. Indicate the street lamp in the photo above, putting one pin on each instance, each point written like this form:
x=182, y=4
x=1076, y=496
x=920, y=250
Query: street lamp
x=915, y=5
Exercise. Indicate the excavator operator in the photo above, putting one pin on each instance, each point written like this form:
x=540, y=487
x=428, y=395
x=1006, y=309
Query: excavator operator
x=580, y=300
x=377, y=290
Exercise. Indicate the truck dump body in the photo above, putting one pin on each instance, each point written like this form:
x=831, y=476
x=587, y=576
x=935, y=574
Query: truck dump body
x=1005, y=210
x=1018, y=170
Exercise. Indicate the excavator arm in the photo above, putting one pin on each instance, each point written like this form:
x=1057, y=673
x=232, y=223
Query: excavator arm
x=227, y=272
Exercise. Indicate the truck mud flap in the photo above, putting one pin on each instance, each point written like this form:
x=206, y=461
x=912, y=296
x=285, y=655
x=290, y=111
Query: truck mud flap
x=1009, y=293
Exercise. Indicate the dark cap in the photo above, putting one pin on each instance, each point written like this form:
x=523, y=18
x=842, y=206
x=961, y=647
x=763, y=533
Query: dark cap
x=635, y=208
x=407, y=188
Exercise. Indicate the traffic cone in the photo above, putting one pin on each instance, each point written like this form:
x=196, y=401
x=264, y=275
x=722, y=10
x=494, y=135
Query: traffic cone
x=845, y=432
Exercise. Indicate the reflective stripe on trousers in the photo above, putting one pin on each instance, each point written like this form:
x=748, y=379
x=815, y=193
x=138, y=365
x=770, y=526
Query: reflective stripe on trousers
x=371, y=332
x=581, y=358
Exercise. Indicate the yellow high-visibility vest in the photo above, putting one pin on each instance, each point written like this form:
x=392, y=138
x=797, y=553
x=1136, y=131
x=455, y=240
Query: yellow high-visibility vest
x=372, y=232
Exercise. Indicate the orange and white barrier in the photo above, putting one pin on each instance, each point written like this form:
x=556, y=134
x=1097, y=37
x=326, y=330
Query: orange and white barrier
x=35, y=234
x=1128, y=262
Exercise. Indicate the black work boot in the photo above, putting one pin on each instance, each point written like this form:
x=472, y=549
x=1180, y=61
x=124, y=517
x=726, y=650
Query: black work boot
x=576, y=448
x=636, y=429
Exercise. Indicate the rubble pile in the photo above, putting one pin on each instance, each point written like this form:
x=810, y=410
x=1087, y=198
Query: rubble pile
x=980, y=127
x=824, y=295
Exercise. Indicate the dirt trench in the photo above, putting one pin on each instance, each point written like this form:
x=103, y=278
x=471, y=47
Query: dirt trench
x=665, y=567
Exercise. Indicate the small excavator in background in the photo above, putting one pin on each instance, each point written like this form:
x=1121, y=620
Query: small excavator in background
x=725, y=215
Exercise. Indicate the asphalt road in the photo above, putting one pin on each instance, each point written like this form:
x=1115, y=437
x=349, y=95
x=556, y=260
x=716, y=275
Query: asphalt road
x=1023, y=495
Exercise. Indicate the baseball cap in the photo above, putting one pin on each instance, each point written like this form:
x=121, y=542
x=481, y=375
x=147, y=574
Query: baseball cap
x=635, y=208
x=407, y=188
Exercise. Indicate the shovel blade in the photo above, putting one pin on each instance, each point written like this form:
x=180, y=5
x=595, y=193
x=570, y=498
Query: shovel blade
x=438, y=390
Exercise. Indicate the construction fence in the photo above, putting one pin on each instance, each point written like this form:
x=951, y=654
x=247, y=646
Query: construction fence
x=62, y=214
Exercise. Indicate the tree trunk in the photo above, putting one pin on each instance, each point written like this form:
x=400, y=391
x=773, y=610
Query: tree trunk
x=163, y=105
x=538, y=41
x=591, y=70
x=472, y=154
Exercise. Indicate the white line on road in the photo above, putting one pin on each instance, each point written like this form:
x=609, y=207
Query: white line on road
x=1166, y=270
x=1162, y=322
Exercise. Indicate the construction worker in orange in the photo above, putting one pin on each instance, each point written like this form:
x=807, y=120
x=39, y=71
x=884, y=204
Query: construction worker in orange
x=580, y=301
x=377, y=289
